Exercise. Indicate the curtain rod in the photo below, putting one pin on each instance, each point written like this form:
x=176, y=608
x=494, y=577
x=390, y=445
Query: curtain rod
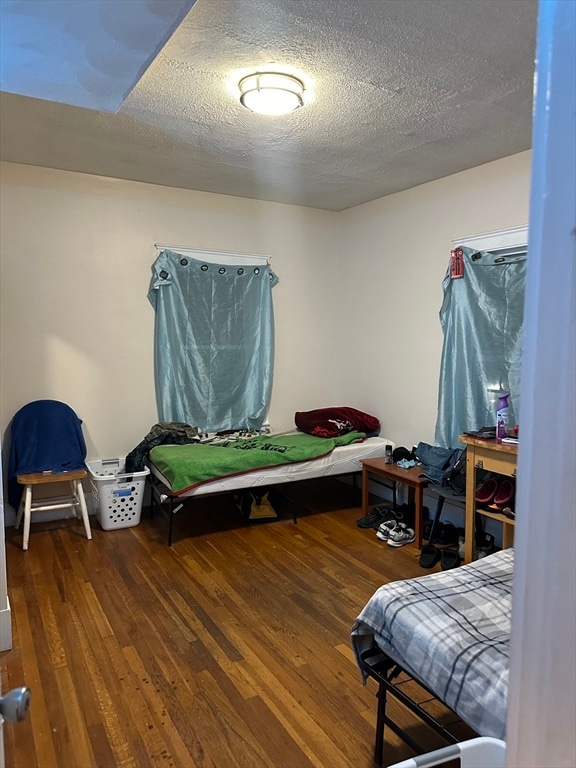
x=514, y=237
x=505, y=252
x=225, y=254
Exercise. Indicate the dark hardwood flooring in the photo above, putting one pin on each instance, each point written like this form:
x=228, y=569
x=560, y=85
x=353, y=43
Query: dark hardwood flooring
x=230, y=649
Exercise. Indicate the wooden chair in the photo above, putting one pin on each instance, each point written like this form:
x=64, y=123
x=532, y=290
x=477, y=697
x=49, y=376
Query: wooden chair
x=47, y=447
x=76, y=500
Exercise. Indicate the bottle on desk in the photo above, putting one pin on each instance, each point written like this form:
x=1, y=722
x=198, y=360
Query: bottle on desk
x=388, y=457
x=503, y=416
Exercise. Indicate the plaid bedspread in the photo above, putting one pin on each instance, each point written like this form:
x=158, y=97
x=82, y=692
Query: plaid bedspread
x=451, y=630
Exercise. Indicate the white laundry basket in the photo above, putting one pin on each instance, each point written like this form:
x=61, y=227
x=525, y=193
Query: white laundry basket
x=483, y=752
x=117, y=495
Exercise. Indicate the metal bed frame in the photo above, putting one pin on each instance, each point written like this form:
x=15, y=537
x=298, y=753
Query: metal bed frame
x=168, y=504
x=386, y=670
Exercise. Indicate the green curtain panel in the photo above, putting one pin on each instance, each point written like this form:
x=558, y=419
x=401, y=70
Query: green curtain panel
x=482, y=319
x=213, y=342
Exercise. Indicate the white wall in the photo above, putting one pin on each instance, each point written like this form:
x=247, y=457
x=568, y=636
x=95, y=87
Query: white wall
x=356, y=307
x=76, y=324
x=396, y=252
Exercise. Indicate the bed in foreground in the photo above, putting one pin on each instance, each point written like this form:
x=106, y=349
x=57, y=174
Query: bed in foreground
x=449, y=632
x=179, y=473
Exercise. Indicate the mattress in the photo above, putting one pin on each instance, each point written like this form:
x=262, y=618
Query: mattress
x=342, y=460
x=451, y=631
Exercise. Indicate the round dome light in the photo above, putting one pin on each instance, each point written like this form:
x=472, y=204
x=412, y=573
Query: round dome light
x=271, y=93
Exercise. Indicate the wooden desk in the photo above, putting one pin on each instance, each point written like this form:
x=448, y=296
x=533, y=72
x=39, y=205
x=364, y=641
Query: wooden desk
x=500, y=458
x=410, y=477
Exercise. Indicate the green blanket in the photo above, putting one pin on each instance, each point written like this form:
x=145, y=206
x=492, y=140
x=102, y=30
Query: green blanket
x=186, y=466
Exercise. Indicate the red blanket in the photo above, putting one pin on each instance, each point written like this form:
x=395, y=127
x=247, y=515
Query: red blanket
x=331, y=422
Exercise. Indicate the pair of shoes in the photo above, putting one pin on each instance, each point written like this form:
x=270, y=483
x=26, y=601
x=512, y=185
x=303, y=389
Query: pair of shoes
x=484, y=544
x=444, y=533
x=448, y=533
x=390, y=516
x=374, y=518
x=505, y=493
x=499, y=492
x=385, y=529
x=429, y=556
x=485, y=494
x=401, y=535
x=450, y=559
x=395, y=533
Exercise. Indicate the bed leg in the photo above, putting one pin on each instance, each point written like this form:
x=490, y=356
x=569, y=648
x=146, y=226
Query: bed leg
x=380, y=720
x=170, y=521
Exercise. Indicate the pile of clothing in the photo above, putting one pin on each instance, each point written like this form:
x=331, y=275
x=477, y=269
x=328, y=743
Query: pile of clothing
x=163, y=433
x=441, y=465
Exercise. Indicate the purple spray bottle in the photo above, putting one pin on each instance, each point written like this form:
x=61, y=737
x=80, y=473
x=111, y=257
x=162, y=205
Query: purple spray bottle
x=502, y=416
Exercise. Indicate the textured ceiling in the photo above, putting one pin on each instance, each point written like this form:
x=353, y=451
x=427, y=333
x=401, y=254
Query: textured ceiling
x=403, y=92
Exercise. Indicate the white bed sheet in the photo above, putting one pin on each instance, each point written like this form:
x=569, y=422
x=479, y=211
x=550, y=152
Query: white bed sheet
x=342, y=460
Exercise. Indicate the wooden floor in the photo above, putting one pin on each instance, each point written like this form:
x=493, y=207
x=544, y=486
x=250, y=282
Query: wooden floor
x=230, y=649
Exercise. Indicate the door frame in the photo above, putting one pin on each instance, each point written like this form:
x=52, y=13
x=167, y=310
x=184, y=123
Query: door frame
x=5, y=613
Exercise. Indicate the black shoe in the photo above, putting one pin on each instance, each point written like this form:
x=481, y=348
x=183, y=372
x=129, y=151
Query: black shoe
x=448, y=534
x=373, y=520
x=484, y=544
x=389, y=514
x=429, y=556
x=450, y=559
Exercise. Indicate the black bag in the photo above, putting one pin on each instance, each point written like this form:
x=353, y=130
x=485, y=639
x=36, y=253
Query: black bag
x=457, y=478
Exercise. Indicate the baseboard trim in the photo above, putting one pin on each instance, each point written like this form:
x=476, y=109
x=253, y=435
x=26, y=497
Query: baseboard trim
x=6, y=628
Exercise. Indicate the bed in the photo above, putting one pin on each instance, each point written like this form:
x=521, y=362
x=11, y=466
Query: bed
x=449, y=632
x=340, y=455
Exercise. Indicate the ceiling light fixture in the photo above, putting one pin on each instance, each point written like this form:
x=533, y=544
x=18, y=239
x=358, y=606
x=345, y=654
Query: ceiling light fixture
x=271, y=93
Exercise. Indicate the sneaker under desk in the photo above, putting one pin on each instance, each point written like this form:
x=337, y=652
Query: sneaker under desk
x=411, y=477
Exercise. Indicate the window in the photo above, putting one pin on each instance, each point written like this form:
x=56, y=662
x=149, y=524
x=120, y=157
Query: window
x=213, y=340
x=482, y=321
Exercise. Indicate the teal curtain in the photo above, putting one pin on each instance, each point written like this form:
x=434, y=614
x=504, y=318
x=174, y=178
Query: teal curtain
x=481, y=318
x=213, y=342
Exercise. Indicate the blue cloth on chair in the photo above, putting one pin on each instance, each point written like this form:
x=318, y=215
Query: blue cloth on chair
x=46, y=437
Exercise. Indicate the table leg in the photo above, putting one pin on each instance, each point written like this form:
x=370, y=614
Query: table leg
x=416, y=497
x=364, y=492
x=507, y=536
x=470, y=524
x=418, y=523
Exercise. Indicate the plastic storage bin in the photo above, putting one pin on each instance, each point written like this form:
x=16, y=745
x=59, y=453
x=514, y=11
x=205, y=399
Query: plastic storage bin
x=483, y=752
x=117, y=496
